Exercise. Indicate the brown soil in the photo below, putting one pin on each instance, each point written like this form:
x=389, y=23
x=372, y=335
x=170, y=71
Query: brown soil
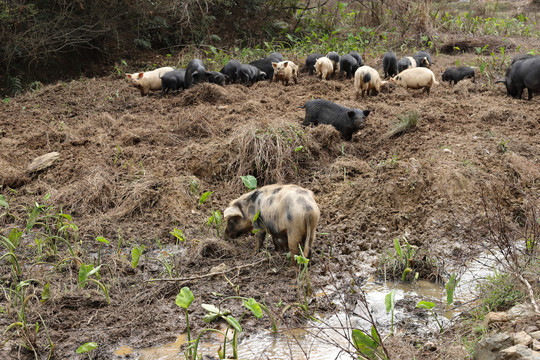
x=131, y=169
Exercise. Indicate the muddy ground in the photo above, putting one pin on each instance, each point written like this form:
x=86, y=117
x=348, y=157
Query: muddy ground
x=131, y=169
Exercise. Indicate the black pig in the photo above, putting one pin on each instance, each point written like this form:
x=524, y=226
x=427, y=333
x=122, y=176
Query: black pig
x=218, y=78
x=231, y=70
x=345, y=120
x=310, y=62
x=457, y=74
x=195, y=73
x=390, y=64
x=423, y=59
x=249, y=74
x=334, y=57
x=348, y=64
x=358, y=58
x=172, y=81
x=524, y=73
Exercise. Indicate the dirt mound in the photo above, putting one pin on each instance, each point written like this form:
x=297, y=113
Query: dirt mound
x=457, y=44
x=205, y=93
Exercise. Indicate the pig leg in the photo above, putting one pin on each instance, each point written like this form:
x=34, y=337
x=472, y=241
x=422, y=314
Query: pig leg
x=261, y=235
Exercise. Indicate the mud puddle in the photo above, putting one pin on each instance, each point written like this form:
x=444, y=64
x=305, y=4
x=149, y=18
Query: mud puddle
x=330, y=338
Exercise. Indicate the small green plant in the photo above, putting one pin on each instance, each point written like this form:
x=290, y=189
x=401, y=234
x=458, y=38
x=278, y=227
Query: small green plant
x=369, y=346
x=86, y=348
x=390, y=302
x=429, y=305
x=503, y=147
x=215, y=220
x=183, y=300
x=178, y=234
x=405, y=256
x=303, y=276
x=406, y=123
x=499, y=293
x=136, y=253
x=101, y=241
x=11, y=243
x=87, y=270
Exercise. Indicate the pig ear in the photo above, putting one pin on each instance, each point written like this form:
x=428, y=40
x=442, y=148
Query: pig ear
x=351, y=114
x=232, y=211
x=285, y=64
x=195, y=73
x=141, y=74
x=366, y=112
x=274, y=65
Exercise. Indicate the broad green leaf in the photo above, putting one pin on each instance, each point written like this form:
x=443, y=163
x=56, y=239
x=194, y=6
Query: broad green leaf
x=136, y=253
x=84, y=348
x=254, y=306
x=67, y=216
x=234, y=323
x=14, y=237
x=398, y=247
x=299, y=148
x=425, y=305
x=3, y=202
x=450, y=287
x=256, y=216
x=102, y=240
x=374, y=335
x=83, y=273
x=179, y=234
x=250, y=181
x=300, y=259
x=390, y=300
x=45, y=295
x=204, y=197
x=363, y=343
x=184, y=297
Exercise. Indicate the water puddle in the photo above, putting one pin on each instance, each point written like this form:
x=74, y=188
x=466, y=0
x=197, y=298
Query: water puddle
x=330, y=338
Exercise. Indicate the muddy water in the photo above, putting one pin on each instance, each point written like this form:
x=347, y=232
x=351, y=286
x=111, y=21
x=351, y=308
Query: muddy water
x=330, y=338
x=325, y=340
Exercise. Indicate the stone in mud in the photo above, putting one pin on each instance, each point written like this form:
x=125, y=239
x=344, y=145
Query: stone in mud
x=43, y=162
x=489, y=347
x=519, y=352
x=495, y=317
x=522, y=338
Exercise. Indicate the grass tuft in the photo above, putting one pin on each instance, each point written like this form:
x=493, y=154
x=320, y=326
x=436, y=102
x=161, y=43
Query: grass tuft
x=406, y=123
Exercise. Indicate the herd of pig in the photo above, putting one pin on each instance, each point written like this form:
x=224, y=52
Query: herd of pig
x=290, y=213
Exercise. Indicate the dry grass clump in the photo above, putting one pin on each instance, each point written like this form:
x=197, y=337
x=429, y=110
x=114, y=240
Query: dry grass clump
x=198, y=122
x=205, y=93
x=406, y=123
x=272, y=153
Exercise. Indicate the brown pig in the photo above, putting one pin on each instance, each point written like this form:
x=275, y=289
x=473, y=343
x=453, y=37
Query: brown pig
x=288, y=212
x=285, y=71
x=150, y=80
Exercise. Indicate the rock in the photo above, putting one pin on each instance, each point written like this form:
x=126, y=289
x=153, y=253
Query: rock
x=536, y=345
x=535, y=335
x=522, y=338
x=525, y=311
x=496, y=317
x=518, y=352
x=43, y=162
x=489, y=347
